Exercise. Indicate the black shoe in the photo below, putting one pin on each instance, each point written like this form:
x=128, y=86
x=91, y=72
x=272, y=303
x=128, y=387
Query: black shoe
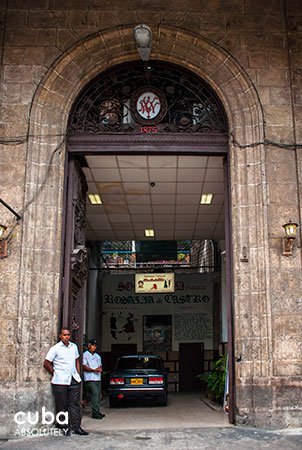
x=81, y=432
x=66, y=432
x=97, y=415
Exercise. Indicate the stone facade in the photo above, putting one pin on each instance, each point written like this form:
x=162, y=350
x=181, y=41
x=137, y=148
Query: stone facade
x=250, y=52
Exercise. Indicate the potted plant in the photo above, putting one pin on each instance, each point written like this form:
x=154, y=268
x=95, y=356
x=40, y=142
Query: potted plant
x=215, y=380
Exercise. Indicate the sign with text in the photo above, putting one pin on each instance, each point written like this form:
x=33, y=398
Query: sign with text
x=148, y=283
x=124, y=310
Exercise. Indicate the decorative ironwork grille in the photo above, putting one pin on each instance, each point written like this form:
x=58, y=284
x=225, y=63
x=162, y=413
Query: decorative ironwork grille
x=153, y=98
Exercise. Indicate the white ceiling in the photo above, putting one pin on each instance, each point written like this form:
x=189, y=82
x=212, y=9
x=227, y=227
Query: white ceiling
x=172, y=207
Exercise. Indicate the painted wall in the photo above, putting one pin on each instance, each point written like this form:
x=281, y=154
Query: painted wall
x=191, y=307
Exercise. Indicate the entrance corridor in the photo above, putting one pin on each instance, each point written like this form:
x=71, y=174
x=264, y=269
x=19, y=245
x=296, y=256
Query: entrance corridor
x=184, y=410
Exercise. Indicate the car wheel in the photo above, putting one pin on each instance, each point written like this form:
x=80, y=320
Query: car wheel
x=113, y=402
x=164, y=400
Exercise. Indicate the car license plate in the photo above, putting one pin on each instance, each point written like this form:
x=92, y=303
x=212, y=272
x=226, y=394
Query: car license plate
x=136, y=381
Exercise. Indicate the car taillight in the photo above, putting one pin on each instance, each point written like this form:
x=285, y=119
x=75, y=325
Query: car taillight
x=156, y=380
x=117, y=381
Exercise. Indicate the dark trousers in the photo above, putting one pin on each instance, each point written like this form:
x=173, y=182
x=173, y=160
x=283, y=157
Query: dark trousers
x=94, y=387
x=67, y=398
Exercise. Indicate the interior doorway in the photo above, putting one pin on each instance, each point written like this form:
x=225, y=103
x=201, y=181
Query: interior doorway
x=191, y=359
x=184, y=360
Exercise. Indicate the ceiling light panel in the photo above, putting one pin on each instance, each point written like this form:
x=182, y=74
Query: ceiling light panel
x=95, y=199
x=149, y=233
x=206, y=199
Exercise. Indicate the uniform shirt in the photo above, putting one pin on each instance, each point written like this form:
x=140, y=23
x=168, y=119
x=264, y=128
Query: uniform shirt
x=94, y=361
x=64, y=363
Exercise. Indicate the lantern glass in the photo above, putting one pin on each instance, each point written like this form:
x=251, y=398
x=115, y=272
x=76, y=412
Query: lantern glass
x=290, y=229
x=143, y=36
x=3, y=228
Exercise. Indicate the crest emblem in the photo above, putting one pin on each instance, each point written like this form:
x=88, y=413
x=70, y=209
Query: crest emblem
x=148, y=105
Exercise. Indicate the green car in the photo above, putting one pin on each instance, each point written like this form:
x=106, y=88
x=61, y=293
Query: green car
x=138, y=377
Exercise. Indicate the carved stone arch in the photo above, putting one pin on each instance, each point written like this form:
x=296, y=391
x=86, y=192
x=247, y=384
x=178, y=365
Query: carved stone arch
x=48, y=123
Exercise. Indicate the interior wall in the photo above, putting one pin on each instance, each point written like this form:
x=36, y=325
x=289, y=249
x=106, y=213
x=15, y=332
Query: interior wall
x=191, y=307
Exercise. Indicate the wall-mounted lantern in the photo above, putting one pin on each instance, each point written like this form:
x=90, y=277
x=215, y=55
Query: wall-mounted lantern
x=143, y=39
x=288, y=242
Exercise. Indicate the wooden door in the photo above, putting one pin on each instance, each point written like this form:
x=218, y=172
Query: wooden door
x=190, y=365
x=75, y=256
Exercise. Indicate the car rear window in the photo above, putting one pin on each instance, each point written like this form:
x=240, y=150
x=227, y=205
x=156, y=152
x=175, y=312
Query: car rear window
x=139, y=363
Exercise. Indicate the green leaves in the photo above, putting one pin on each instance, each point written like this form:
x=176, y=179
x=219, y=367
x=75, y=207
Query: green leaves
x=215, y=380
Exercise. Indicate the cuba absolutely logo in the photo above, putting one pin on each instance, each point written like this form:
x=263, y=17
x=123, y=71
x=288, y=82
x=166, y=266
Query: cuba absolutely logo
x=47, y=419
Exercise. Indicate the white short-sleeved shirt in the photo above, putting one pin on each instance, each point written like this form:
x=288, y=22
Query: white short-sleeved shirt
x=64, y=363
x=94, y=361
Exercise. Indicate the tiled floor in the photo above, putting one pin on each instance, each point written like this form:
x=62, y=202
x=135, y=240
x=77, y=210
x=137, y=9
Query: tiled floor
x=183, y=411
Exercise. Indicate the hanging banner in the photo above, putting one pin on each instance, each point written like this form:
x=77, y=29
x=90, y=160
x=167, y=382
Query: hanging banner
x=153, y=283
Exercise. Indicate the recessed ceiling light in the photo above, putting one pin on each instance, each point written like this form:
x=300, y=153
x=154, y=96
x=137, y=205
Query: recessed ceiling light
x=95, y=199
x=149, y=233
x=206, y=199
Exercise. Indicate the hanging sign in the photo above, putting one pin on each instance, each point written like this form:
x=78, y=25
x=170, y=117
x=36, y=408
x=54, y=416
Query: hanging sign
x=154, y=283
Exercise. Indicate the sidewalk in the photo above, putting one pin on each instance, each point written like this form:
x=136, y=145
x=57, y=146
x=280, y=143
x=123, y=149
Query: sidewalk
x=188, y=439
x=189, y=422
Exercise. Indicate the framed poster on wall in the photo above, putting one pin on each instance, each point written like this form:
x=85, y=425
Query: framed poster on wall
x=154, y=283
x=157, y=333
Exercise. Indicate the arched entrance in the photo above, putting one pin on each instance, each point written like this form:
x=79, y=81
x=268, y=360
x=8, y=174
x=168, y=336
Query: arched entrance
x=57, y=93
x=135, y=110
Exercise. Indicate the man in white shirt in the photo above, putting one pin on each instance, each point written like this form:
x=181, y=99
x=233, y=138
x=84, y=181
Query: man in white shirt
x=62, y=362
x=92, y=368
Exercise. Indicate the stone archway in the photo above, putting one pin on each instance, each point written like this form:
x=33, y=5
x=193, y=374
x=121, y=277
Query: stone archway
x=49, y=116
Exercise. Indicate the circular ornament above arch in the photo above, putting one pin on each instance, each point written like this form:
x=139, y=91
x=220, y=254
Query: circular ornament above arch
x=148, y=105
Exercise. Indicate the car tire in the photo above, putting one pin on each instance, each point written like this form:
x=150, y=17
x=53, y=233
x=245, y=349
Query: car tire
x=164, y=400
x=113, y=402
